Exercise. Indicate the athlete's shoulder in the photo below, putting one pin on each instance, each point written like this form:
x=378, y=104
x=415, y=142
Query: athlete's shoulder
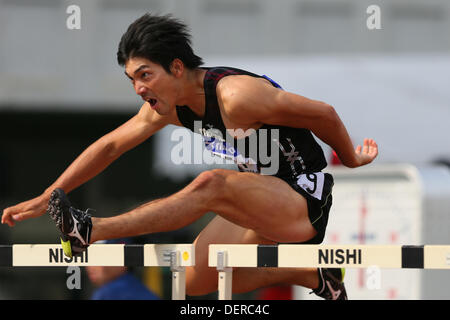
x=243, y=97
x=219, y=72
x=241, y=87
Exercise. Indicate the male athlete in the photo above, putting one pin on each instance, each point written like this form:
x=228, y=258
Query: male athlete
x=289, y=206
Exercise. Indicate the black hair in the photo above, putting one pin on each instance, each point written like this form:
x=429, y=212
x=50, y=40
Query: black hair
x=160, y=39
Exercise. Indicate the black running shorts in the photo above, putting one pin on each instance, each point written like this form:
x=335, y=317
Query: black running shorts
x=316, y=188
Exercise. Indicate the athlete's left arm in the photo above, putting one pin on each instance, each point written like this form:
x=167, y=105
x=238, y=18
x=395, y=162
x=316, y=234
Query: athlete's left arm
x=253, y=100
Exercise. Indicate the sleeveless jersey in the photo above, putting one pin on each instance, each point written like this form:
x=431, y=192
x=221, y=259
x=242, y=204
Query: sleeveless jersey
x=294, y=149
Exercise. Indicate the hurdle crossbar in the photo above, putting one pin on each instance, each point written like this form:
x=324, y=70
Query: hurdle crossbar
x=175, y=256
x=226, y=256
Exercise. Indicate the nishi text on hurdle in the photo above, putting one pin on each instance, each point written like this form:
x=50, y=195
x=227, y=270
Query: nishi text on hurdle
x=56, y=255
x=340, y=256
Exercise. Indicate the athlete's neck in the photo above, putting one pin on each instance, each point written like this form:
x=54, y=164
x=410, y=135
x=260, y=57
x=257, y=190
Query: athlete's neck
x=193, y=91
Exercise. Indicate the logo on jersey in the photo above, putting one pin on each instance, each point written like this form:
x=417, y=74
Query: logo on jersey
x=219, y=147
x=228, y=150
x=291, y=156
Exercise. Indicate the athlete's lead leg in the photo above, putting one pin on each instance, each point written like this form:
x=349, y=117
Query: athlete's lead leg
x=265, y=204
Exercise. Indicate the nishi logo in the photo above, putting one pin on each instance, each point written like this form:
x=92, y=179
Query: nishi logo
x=340, y=256
x=56, y=255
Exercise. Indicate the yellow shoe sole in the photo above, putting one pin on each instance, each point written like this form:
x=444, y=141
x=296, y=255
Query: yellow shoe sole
x=67, y=248
x=343, y=274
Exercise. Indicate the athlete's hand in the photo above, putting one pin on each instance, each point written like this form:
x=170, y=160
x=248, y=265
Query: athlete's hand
x=35, y=207
x=367, y=153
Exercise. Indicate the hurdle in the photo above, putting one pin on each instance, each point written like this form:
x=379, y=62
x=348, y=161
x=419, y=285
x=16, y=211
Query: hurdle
x=226, y=256
x=175, y=256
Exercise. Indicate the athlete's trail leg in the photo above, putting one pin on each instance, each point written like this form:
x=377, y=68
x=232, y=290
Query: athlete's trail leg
x=201, y=279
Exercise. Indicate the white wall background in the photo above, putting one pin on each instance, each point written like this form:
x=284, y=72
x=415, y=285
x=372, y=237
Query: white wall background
x=389, y=84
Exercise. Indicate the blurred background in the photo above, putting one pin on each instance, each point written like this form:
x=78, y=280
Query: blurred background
x=61, y=89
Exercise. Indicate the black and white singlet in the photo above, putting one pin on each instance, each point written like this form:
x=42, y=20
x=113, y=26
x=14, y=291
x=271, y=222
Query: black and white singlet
x=299, y=154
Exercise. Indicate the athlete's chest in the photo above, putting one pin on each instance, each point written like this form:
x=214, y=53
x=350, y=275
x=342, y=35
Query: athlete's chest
x=236, y=127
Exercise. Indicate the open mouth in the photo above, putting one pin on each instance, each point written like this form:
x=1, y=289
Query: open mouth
x=152, y=102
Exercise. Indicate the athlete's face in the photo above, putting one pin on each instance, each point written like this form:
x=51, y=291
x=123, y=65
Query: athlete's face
x=153, y=83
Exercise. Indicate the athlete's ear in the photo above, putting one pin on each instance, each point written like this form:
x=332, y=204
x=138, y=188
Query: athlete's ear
x=177, y=67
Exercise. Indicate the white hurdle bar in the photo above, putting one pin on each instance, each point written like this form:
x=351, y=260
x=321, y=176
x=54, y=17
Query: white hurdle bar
x=226, y=256
x=175, y=256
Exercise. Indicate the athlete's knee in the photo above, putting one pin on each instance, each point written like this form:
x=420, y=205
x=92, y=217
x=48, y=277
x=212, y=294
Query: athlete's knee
x=215, y=187
x=212, y=179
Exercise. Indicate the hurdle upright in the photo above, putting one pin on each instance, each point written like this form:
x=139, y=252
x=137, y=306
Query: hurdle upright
x=175, y=256
x=226, y=256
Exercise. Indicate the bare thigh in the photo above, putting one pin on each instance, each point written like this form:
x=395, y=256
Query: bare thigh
x=265, y=204
x=202, y=279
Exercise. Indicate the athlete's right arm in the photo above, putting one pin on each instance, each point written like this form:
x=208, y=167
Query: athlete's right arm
x=94, y=160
